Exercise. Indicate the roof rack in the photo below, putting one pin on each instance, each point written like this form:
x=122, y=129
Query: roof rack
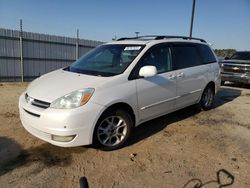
x=159, y=37
x=139, y=37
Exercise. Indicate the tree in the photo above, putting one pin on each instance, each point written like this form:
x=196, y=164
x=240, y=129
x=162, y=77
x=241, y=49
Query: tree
x=222, y=53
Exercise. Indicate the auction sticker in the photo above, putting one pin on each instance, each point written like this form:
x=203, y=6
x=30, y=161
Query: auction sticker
x=132, y=48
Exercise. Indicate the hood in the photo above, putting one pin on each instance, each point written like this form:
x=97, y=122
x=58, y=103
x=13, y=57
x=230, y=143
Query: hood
x=236, y=61
x=51, y=86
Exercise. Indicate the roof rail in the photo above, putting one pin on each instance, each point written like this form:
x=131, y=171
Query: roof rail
x=139, y=37
x=158, y=37
x=179, y=37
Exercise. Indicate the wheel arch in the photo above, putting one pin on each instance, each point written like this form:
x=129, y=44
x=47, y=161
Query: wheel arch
x=210, y=84
x=122, y=106
x=114, y=106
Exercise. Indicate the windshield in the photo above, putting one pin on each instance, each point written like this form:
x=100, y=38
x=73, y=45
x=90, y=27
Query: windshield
x=106, y=60
x=241, y=56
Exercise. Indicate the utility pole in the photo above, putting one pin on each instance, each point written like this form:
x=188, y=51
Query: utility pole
x=77, y=44
x=192, y=19
x=137, y=33
x=21, y=50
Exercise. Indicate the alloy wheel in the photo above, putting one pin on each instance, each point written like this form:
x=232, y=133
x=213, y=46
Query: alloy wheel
x=112, y=131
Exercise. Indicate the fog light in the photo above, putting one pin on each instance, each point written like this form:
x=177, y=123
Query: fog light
x=62, y=138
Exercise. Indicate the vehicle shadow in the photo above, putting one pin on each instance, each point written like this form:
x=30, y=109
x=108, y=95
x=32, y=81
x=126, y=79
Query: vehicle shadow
x=154, y=126
x=237, y=85
x=10, y=155
x=225, y=95
x=13, y=156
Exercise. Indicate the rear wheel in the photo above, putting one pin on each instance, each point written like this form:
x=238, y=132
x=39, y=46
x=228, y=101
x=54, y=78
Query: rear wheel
x=207, y=98
x=113, y=129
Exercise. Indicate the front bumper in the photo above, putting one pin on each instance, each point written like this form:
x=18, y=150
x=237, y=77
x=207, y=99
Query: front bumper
x=43, y=123
x=236, y=77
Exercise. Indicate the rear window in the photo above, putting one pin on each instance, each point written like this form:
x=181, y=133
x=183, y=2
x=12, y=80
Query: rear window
x=186, y=56
x=206, y=54
x=241, y=56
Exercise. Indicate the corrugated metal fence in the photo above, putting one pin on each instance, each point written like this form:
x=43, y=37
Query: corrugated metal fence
x=41, y=53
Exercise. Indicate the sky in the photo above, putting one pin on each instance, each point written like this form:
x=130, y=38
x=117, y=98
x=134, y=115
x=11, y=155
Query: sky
x=223, y=23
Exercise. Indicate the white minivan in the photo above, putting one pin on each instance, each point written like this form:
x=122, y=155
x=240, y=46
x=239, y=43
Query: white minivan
x=101, y=97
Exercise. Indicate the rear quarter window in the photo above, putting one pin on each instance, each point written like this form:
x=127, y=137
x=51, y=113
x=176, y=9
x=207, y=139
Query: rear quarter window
x=206, y=54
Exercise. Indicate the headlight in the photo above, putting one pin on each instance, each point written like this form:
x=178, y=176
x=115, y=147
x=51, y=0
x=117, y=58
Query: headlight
x=73, y=100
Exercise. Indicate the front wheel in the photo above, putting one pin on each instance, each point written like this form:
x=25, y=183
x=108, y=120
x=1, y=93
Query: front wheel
x=207, y=98
x=113, y=130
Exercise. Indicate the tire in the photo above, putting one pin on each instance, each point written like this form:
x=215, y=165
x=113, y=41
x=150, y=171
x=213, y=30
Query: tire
x=113, y=130
x=207, y=98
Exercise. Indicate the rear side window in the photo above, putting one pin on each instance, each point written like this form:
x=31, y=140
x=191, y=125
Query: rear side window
x=186, y=56
x=206, y=54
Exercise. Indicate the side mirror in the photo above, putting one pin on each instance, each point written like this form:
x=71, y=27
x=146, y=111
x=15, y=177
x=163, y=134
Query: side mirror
x=148, y=71
x=226, y=58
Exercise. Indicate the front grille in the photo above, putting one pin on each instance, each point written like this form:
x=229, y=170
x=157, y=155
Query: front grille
x=36, y=102
x=40, y=104
x=235, y=68
x=226, y=69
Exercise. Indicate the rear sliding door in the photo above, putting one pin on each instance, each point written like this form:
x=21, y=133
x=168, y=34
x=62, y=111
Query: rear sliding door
x=191, y=73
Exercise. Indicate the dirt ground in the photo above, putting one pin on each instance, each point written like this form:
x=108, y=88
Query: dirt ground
x=182, y=149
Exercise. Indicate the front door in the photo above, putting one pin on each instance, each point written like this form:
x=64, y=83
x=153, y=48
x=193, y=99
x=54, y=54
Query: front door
x=156, y=95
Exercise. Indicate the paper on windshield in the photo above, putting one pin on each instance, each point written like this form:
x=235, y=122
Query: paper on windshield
x=132, y=48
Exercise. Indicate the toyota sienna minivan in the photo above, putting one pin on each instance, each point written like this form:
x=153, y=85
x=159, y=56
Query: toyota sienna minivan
x=101, y=97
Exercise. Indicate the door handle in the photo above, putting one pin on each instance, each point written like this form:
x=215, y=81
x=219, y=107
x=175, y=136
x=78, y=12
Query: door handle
x=171, y=77
x=180, y=74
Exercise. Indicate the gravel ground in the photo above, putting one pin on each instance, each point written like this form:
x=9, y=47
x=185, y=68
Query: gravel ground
x=182, y=149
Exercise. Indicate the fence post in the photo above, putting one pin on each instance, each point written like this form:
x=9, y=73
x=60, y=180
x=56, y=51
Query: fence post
x=77, y=44
x=21, y=50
